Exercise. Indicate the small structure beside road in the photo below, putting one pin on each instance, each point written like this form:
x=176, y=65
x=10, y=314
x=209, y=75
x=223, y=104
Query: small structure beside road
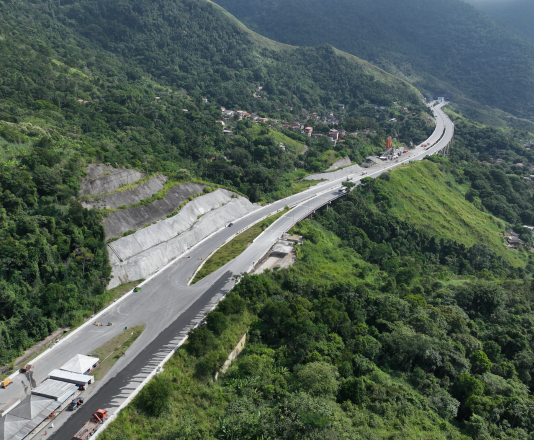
x=282, y=255
x=80, y=364
x=70, y=377
x=55, y=389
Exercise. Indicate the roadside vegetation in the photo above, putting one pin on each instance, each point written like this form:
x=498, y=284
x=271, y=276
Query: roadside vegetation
x=112, y=350
x=234, y=247
x=387, y=326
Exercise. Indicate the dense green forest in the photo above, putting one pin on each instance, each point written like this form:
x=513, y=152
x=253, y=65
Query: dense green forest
x=516, y=14
x=442, y=46
x=380, y=330
x=384, y=328
x=69, y=97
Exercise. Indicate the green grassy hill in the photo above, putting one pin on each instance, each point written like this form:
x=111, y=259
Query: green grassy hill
x=427, y=196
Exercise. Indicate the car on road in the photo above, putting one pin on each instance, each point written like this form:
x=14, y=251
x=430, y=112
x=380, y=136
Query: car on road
x=230, y=225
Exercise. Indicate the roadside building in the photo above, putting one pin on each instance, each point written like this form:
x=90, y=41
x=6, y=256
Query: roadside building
x=80, y=364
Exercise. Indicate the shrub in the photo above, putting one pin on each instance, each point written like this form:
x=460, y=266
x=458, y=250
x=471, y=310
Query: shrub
x=200, y=341
x=318, y=379
x=232, y=305
x=209, y=364
x=217, y=322
x=155, y=397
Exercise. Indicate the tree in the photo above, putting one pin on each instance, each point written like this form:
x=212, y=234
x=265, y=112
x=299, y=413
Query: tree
x=83, y=256
x=481, y=298
x=480, y=362
x=467, y=386
x=318, y=379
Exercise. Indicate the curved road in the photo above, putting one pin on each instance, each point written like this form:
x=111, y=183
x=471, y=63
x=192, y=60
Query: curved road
x=169, y=307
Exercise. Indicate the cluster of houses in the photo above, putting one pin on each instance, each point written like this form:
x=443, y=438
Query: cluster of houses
x=297, y=127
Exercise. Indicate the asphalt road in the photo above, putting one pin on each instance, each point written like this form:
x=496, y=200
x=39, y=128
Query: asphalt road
x=169, y=307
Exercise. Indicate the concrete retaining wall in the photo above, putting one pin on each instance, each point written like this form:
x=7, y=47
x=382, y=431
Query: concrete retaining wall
x=119, y=222
x=101, y=179
x=143, y=253
x=128, y=197
x=340, y=163
x=336, y=174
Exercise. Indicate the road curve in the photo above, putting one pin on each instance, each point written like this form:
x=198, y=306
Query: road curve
x=169, y=307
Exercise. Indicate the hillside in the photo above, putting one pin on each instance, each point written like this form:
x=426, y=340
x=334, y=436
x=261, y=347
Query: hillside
x=442, y=46
x=516, y=14
x=126, y=85
x=387, y=326
x=429, y=196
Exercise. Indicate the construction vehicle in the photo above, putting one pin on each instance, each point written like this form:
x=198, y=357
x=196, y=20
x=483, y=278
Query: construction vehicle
x=5, y=383
x=76, y=403
x=91, y=426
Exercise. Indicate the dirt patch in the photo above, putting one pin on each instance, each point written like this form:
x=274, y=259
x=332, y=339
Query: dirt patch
x=278, y=259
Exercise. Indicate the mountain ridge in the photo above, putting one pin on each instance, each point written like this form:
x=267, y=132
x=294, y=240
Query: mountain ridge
x=422, y=41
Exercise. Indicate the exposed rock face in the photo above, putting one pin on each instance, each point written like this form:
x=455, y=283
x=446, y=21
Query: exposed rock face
x=103, y=179
x=124, y=220
x=129, y=196
x=141, y=254
x=340, y=163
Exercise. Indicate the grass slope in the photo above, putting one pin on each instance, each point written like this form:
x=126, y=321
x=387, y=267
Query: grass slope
x=424, y=195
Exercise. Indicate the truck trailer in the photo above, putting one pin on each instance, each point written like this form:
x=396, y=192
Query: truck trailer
x=91, y=426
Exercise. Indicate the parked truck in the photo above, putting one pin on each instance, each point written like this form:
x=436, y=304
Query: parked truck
x=91, y=426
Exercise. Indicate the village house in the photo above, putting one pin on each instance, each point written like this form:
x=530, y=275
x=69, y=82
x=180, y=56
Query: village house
x=334, y=135
x=308, y=131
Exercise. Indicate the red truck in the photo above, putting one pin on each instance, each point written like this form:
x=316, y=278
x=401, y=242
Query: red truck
x=91, y=426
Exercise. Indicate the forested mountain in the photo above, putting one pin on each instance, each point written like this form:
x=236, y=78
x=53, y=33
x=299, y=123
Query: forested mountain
x=381, y=330
x=126, y=84
x=438, y=45
x=517, y=14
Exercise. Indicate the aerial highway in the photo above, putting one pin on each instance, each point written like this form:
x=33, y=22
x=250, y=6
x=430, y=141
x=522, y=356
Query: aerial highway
x=169, y=306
